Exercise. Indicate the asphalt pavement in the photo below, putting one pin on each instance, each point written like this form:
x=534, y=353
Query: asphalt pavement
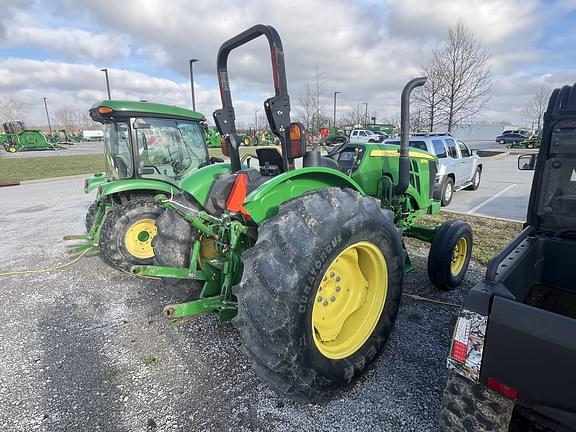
x=503, y=193
x=87, y=348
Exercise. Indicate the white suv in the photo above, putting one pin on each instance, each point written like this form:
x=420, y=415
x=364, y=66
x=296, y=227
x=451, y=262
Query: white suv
x=459, y=167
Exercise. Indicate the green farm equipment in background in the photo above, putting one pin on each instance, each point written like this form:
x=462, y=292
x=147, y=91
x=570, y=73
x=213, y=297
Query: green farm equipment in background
x=17, y=138
x=386, y=128
x=310, y=261
x=148, y=148
x=532, y=142
x=259, y=138
x=212, y=137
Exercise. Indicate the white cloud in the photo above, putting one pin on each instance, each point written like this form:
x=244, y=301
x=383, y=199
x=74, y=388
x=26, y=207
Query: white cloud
x=68, y=43
x=365, y=49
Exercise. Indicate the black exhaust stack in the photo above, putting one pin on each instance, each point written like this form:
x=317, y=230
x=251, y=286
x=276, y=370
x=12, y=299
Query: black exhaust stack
x=404, y=163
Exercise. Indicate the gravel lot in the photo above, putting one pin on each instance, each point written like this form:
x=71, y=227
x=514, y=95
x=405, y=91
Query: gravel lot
x=87, y=349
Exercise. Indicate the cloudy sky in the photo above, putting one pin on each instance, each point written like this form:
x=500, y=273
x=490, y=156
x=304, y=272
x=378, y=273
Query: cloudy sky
x=366, y=49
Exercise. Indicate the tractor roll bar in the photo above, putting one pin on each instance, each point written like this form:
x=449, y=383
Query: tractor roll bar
x=277, y=108
x=404, y=162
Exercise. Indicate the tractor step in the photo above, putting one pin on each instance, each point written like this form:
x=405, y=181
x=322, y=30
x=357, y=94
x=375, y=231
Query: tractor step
x=167, y=272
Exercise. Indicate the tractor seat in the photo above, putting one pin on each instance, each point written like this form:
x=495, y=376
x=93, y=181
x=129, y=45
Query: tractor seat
x=315, y=159
x=270, y=161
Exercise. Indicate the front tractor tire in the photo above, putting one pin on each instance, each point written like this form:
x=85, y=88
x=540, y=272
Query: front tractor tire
x=449, y=255
x=320, y=292
x=90, y=214
x=127, y=234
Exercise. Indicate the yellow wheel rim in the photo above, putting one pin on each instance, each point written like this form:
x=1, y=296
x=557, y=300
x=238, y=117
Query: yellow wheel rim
x=12, y=149
x=349, y=300
x=138, y=238
x=459, y=255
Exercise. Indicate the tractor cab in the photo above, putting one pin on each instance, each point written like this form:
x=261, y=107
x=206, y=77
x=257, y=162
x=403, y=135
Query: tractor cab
x=150, y=141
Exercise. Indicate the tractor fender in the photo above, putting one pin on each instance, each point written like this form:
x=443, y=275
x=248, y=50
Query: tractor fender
x=116, y=186
x=264, y=202
x=199, y=183
x=92, y=182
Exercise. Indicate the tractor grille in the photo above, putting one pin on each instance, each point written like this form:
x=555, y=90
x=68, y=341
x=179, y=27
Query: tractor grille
x=433, y=171
x=414, y=174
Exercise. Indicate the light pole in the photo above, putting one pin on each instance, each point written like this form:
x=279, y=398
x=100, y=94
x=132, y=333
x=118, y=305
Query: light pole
x=47, y=116
x=255, y=121
x=366, y=114
x=105, y=70
x=334, y=121
x=192, y=61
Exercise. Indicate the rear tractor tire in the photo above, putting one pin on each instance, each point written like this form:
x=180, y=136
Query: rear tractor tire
x=320, y=292
x=449, y=255
x=468, y=406
x=127, y=234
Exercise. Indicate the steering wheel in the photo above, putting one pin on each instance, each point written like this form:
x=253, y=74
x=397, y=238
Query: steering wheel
x=336, y=150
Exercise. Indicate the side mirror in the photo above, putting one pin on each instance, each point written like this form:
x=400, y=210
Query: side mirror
x=296, y=141
x=141, y=124
x=527, y=162
x=215, y=159
x=474, y=151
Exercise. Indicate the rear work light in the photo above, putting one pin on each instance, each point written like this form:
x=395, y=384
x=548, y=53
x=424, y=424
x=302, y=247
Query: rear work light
x=468, y=344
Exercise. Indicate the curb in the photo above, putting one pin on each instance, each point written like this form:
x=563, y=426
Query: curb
x=52, y=179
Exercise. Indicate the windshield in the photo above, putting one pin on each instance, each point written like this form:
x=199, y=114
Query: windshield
x=170, y=148
x=118, y=151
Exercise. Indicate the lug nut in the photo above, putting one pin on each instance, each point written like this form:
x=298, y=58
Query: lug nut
x=337, y=278
x=331, y=274
x=338, y=289
x=333, y=298
x=319, y=298
x=325, y=303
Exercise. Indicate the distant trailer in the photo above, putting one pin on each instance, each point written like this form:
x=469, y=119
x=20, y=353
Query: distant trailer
x=93, y=135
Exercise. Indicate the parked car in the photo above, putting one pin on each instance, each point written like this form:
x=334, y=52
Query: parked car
x=510, y=138
x=516, y=131
x=459, y=167
x=362, y=136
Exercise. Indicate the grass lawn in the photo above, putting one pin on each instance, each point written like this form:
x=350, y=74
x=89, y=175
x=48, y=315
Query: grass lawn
x=32, y=168
x=490, y=235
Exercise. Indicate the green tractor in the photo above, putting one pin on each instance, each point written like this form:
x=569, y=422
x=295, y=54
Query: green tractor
x=308, y=262
x=148, y=148
x=532, y=142
x=17, y=138
x=212, y=137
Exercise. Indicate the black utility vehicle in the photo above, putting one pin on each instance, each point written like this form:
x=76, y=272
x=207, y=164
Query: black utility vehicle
x=513, y=352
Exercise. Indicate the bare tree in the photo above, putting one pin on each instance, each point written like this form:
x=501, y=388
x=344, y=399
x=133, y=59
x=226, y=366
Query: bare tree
x=11, y=109
x=67, y=119
x=431, y=97
x=312, y=105
x=355, y=116
x=537, y=104
x=461, y=67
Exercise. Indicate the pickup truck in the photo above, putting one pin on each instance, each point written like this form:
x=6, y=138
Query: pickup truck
x=363, y=136
x=512, y=358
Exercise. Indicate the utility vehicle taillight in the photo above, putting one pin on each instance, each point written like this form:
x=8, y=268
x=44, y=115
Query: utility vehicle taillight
x=503, y=389
x=468, y=344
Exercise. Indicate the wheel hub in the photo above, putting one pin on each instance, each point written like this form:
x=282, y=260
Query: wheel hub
x=459, y=255
x=349, y=300
x=138, y=238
